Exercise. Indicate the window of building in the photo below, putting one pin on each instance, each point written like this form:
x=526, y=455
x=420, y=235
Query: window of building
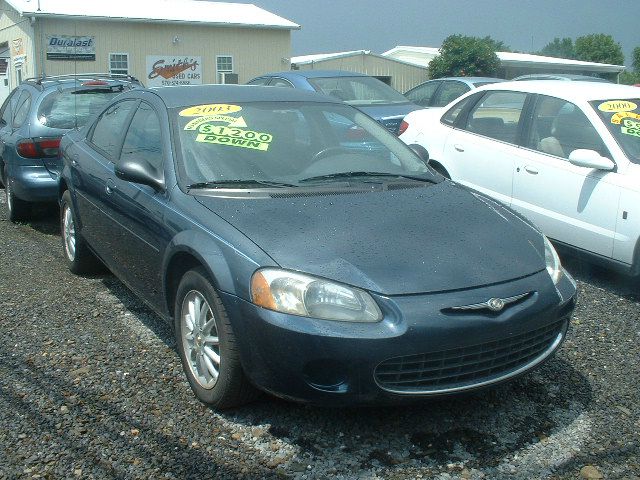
x=119, y=63
x=224, y=64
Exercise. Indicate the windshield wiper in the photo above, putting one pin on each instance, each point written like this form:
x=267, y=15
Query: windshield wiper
x=237, y=183
x=331, y=176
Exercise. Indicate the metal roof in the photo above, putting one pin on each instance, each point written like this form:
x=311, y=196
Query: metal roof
x=506, y=58
x=321, y=57
x=157, y=11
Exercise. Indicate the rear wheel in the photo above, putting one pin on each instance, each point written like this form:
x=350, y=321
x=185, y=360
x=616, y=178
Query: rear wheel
x=80, y=259
x=207, y=345
x=17, y=210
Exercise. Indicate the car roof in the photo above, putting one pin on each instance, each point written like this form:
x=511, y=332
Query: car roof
x=575, y=91
x=313, y=74
x=207, y=94
x=561, y=76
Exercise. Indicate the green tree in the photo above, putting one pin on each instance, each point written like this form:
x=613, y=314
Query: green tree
x=560, y=48
x=636, y=59
x=599, y=47
x=496, y=45
x=461, y=55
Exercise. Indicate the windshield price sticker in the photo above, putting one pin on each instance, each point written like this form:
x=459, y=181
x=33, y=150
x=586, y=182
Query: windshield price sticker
x=618, y=117
x=617, y=106
x=631, y=127
x=234, y=137
x=231, y=121
x=211, y=109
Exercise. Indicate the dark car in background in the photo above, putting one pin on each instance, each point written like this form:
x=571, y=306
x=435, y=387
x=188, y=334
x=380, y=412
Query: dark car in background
x=33, y=119
x=291, y=261
x=372, y=96
x=442, y=91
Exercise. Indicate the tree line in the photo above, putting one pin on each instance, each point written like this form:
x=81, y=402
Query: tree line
x=462, y=55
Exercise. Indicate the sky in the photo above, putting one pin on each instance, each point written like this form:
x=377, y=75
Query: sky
x=524, y=25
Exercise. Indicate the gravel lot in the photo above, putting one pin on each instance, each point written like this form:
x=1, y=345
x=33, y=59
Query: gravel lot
x=91, y=387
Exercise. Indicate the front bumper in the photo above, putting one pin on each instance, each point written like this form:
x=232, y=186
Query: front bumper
x=419, y=349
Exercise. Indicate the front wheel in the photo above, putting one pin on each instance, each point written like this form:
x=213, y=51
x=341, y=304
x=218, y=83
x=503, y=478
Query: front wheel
x=207, y=345
x=80, y=259
x=17, y=210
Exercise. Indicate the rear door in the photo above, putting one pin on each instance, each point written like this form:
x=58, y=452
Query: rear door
x=482, y=151
x=572, y=204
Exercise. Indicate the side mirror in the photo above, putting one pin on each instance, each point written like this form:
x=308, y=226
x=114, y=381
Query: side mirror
x=421, y=152
x=591, y=159
x=139, y=171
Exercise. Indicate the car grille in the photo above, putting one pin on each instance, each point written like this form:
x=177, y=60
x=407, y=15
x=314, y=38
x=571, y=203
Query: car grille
x=392, y=124
x=467, y=367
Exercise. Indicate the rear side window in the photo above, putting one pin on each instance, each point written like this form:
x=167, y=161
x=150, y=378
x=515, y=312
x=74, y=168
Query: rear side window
x=449, y=91
x=452, y=114
x=421, y=95
x=497, y=115
x=108, y=131
x=22, y=109
x=279, y=82
x=72, y=108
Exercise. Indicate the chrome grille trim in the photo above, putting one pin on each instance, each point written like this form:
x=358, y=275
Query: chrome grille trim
x=557, y=332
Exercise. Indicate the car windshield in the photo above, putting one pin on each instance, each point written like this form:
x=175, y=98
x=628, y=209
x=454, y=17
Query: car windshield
x=272, y=144
x=72, y=107
x=358, y=91
x=622, y=117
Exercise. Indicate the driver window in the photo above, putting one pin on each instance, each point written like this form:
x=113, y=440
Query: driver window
x=559, y=127
x=143, y=141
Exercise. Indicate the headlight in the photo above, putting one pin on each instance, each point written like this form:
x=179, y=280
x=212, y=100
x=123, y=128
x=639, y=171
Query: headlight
x=552, y=260
x=298, y=294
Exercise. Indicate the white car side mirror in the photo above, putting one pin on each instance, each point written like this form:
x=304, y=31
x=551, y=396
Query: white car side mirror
x=590, y=159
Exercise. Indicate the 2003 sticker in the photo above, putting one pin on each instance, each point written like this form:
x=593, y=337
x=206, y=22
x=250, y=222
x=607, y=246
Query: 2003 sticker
x=617, y=106
x=211, y=109
x=631, y=127
x=234, y=137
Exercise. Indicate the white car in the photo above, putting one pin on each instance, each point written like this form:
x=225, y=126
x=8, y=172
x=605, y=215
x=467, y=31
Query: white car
x=564, y=154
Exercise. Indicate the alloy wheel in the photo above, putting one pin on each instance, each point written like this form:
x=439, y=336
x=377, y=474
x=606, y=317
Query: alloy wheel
x=200, y=340
x=69, y=233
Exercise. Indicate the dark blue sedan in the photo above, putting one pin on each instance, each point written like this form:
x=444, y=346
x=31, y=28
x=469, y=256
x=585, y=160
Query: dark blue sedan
x=372, y=96
x=292, y=262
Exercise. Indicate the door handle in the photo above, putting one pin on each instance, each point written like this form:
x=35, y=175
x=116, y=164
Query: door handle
x=74, y=159
x=111, y=187
x=531, y=170
x=458, y=147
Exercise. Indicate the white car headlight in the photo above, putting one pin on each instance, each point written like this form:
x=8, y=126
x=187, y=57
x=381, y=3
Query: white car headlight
x=552, y=261
x=307, y=296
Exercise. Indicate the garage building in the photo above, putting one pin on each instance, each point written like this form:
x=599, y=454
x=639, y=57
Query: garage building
x=160, y=42
x=399, y=74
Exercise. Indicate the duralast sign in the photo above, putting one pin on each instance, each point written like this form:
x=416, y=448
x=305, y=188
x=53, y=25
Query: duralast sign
x=67, y=47
x=163, y=70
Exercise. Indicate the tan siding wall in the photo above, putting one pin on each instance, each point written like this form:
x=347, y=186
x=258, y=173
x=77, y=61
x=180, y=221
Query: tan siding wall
x=13, y=26
x=403, y=77
x=254, y=51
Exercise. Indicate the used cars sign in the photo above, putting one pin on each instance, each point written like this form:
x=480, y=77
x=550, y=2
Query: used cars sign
x=66, y=47
x=171, y=70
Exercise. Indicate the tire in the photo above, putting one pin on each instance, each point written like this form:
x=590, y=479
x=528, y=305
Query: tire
x=80, y=259
x=17, y=210
x=210, y=356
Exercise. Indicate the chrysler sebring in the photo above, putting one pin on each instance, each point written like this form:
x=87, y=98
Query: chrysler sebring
x=293, y=260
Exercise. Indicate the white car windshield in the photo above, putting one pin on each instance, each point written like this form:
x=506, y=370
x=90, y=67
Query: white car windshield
x=292, y=143
x=622, y=117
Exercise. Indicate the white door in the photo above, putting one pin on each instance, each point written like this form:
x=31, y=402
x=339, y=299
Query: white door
x=572, y=204
x=482, y=154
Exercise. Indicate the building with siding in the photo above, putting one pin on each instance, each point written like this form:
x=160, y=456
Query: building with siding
x=399, y=74
x=514, y=64
x=160, y=42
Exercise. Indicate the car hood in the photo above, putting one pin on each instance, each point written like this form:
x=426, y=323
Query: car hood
x=412, y=240
x=384, y=111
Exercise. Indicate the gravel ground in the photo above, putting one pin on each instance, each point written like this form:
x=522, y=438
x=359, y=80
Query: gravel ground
x=91, y=387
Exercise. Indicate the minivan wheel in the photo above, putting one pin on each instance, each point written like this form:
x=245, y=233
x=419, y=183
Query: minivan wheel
x=17, y=210
x=80, y=259
x=207, y=345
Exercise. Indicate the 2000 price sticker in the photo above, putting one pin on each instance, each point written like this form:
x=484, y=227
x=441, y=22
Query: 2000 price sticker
x=235, y=133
